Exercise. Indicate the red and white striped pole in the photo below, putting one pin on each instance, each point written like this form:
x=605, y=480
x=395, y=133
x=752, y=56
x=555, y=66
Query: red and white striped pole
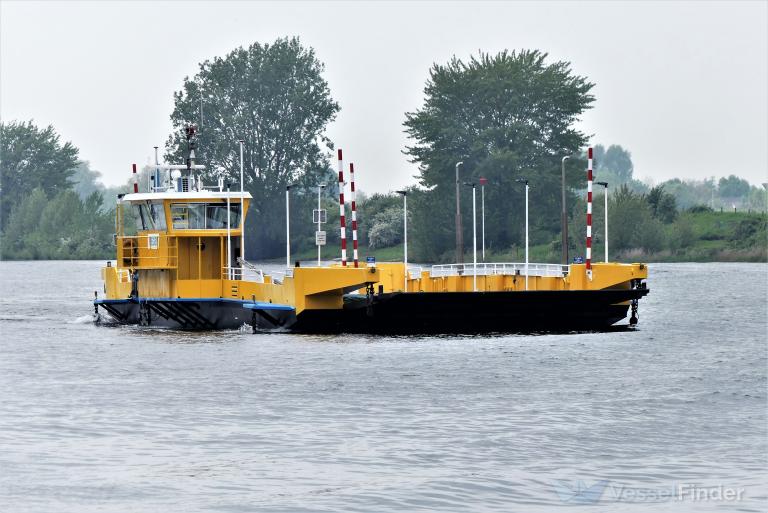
x=589, y=213
x=135, y=180
x=341, y=213
x=354, y=212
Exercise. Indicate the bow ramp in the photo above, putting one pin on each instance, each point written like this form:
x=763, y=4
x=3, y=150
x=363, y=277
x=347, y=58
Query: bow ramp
x=307, y=288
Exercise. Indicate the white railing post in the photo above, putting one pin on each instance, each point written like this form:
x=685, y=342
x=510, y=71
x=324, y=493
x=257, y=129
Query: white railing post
x=405, y=239
x=526, y=235
x=287, y=226
x=606, y=223
x=474, y=241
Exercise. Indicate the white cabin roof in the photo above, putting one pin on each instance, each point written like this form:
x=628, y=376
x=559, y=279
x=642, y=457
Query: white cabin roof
x=191, y=195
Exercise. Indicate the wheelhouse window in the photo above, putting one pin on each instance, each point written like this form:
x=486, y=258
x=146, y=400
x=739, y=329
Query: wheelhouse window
x=204, y=216
x=150, y=215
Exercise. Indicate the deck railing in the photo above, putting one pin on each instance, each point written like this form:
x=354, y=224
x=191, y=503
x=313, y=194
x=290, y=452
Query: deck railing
x=486, y=269
x=414, y=272
x=153, y=251
x=243, y=273
x=232, y=273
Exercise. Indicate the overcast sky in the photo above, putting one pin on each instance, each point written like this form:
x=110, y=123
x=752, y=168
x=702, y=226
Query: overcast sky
x=683, y=86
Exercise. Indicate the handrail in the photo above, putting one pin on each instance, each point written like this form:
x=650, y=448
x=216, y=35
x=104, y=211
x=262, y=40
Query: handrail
x=485, y=269
x=241, y=273
x=129, y=256
x=287, y=273
x=414, y=273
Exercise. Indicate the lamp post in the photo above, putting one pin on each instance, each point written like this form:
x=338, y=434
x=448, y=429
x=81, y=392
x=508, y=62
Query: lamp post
x=459, y=234
x=229, y=239
x=320, y=188
x=605, y=184
x=242, y=210
x=404, y=194
x=288, y=226
x=525, y=181
x=474, y=238
x=483, y=181
x=564, y=215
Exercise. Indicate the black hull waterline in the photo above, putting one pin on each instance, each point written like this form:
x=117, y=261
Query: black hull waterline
x=393, y=313
x=194, y=314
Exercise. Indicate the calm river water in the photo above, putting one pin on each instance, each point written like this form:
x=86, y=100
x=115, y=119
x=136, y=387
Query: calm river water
x=124, y=419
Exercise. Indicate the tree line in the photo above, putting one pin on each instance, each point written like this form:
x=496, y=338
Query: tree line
x=42, y=216
x=507, y=117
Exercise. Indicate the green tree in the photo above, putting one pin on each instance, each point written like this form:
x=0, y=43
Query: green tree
x=85, y=181
x=20, y=239
x=733, y=187
x=619, y=162
x=632, y=224
x=758, y=198
x=689, y=193
x=273, y=97
x=62, y=227
x=370, y=215
x=386, y=228
x=506, y=116
x=614, y=165
x=663, y=206
x=32, y=158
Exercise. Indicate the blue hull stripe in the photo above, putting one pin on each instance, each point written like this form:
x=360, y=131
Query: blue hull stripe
x=250, y=305
x=267, y=306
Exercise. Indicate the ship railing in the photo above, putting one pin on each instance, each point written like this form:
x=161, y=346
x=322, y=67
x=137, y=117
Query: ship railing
x=414, y=273
x=489, y=269
x=287, y=273
x=243, y=273
x=123, y=275
x=250, y=271
x=232, y=273
x=149, y=251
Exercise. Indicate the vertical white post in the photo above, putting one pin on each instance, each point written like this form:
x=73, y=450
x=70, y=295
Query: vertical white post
x=156, y=174
x=606, y=224
x=319, y=190
x=354, y=212
x=287, y=226
x=242, y=210
x=474, y=240
x=229, y=240
x=526, y=235
x=405, y=240
x=588, y=261
x=482, y=208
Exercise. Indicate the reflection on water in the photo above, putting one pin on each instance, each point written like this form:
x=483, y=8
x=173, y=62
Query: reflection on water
x=129, y=419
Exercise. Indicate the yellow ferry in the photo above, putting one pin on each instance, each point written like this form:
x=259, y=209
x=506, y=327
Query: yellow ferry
x=184, y=269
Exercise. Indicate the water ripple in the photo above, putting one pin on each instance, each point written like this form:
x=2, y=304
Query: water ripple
x=128, y=419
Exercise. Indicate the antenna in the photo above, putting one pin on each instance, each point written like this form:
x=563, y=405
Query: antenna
x=156, y=177
x=200, y=88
